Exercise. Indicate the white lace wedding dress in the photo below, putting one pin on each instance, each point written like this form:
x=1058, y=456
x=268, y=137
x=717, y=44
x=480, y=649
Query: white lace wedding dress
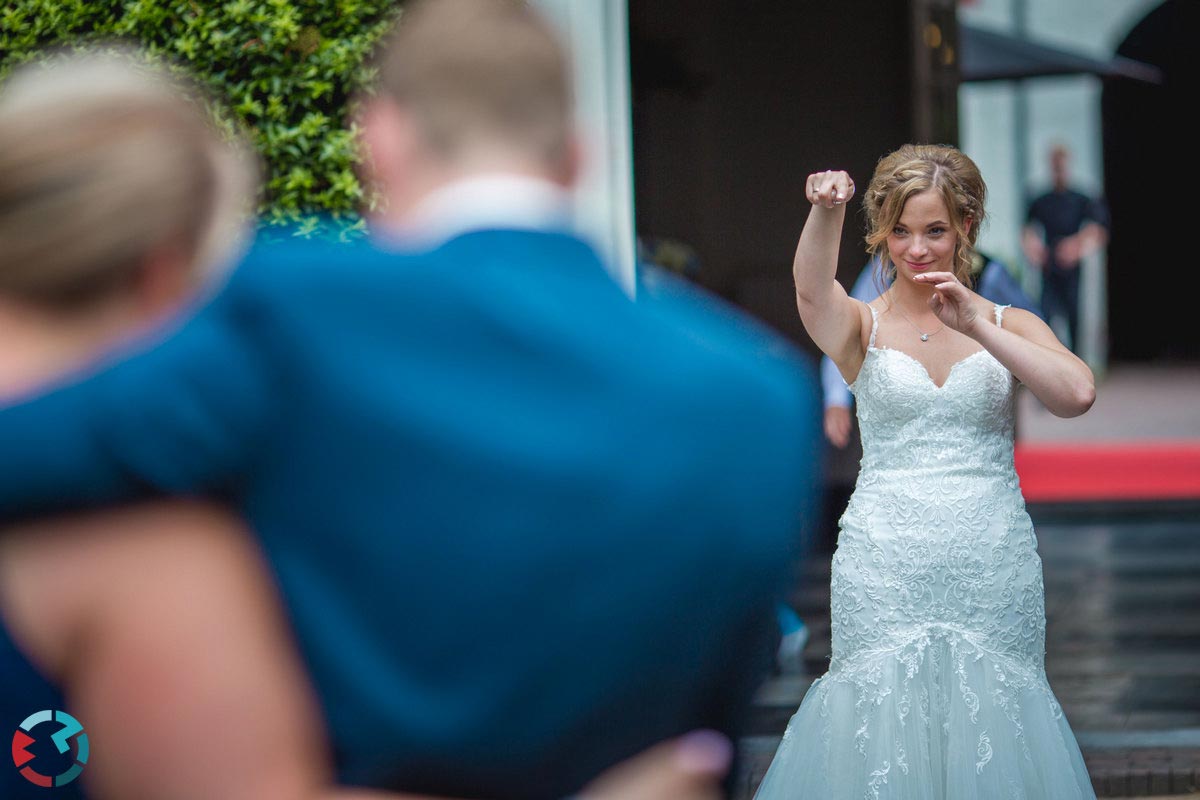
x=937, y=686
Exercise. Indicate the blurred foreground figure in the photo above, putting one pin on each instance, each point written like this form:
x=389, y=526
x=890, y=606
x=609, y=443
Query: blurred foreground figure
x=522, y=526
x=116, y=197
x=158, y=621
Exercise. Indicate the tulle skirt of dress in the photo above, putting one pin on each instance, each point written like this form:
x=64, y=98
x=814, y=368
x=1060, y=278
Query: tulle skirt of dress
x=937, y=719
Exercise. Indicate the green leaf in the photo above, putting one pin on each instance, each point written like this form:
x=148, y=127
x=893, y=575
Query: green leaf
x=280, y=69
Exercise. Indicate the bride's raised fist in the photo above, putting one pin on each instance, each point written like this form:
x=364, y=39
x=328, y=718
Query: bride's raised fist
x=829, y=188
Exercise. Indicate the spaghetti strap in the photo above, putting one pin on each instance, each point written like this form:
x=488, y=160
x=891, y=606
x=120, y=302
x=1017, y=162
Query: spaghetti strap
x=999, y=309
x=874, y=325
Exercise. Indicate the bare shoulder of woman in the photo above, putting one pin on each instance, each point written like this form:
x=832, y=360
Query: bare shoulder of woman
x=880, y=306
x=850, y=361
x=1029, y=325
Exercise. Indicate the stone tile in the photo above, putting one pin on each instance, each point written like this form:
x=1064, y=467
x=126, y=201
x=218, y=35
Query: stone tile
x=1169, y=743
x=1179, y=694
x=1124, y=409
x=1182, y=781
x=1161, y=720
x=785, y=690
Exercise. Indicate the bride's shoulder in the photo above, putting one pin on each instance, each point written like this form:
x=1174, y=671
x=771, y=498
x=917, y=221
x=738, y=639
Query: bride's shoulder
x=1029, y=326
x=869, y=310
x=1018, y=320
x=868, y=313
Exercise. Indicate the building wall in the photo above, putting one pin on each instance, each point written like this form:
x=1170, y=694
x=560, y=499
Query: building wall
x=736, y=102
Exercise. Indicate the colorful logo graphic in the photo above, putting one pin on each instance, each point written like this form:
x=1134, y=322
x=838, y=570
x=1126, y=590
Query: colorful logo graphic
x=70, y=731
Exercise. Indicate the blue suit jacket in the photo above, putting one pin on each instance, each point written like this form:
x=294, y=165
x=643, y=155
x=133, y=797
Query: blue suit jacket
x=523, y=526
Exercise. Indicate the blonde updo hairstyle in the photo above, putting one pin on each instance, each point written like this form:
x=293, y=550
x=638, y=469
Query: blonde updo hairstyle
x=916, y=168
x=104, y=160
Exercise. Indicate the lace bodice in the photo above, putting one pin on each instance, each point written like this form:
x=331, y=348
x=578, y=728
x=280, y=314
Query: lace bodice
x=913, y=429
x=936, y=537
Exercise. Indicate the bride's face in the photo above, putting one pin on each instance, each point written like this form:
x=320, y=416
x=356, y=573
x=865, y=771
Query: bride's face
x=923, y=239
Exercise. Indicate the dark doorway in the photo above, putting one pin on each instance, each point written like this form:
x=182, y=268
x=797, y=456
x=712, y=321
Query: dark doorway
x=1148, y=146
x=735, y=102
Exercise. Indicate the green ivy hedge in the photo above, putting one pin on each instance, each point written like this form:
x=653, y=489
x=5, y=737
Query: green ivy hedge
x=285, y=68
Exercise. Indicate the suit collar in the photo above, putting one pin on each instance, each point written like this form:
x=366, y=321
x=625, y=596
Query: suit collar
x=496, y=201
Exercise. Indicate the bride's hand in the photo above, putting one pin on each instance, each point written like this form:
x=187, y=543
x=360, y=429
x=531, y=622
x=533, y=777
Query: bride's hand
x=954, y=304
x=830, y=188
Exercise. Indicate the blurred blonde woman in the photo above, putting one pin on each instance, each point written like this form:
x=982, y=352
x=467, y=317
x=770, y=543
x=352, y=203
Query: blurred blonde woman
x=120, y=202
x=937, y=686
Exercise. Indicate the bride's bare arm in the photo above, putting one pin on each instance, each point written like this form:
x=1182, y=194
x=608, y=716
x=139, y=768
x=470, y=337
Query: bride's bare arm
x=1032, y=353
x=1025, y=345
x=831, y=317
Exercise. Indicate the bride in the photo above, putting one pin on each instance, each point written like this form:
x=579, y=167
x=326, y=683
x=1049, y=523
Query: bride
x=937, y=686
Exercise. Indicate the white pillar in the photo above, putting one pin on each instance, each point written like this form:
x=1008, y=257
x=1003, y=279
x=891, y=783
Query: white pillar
x=597, y=33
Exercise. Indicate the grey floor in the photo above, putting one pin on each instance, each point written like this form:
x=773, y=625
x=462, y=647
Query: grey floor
x=1144, y=402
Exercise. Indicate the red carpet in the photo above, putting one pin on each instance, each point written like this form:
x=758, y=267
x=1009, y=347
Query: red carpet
x=1070, y=471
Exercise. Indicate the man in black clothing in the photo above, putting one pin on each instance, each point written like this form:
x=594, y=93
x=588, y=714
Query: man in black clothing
x=1062, y=228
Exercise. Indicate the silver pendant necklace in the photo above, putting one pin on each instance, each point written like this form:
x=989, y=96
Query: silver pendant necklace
x=924, y=336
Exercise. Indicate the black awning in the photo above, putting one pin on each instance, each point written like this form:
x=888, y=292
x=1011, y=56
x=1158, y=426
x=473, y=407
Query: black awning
x=993, y=56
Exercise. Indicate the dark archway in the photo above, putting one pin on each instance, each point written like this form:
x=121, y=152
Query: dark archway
x=1149, y=181
x=735, y=102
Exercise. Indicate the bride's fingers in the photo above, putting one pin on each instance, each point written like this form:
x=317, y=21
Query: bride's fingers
x=830, y=188
x=843, y=188
x=817, y=186
x=814, y=187
x=820, y=181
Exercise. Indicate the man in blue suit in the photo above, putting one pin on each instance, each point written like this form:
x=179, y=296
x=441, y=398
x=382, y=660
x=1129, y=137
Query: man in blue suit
x=523, y=527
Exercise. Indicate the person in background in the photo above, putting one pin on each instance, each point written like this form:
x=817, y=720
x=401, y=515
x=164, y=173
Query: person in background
x=523, y=527
x=793, y=638
x=1063, y=227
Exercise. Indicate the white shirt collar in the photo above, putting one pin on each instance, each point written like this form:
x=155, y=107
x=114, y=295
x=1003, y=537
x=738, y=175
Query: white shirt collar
x=484, y=202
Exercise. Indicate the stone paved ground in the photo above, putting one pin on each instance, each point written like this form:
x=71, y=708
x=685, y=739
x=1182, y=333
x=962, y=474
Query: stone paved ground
x=1141, y=403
